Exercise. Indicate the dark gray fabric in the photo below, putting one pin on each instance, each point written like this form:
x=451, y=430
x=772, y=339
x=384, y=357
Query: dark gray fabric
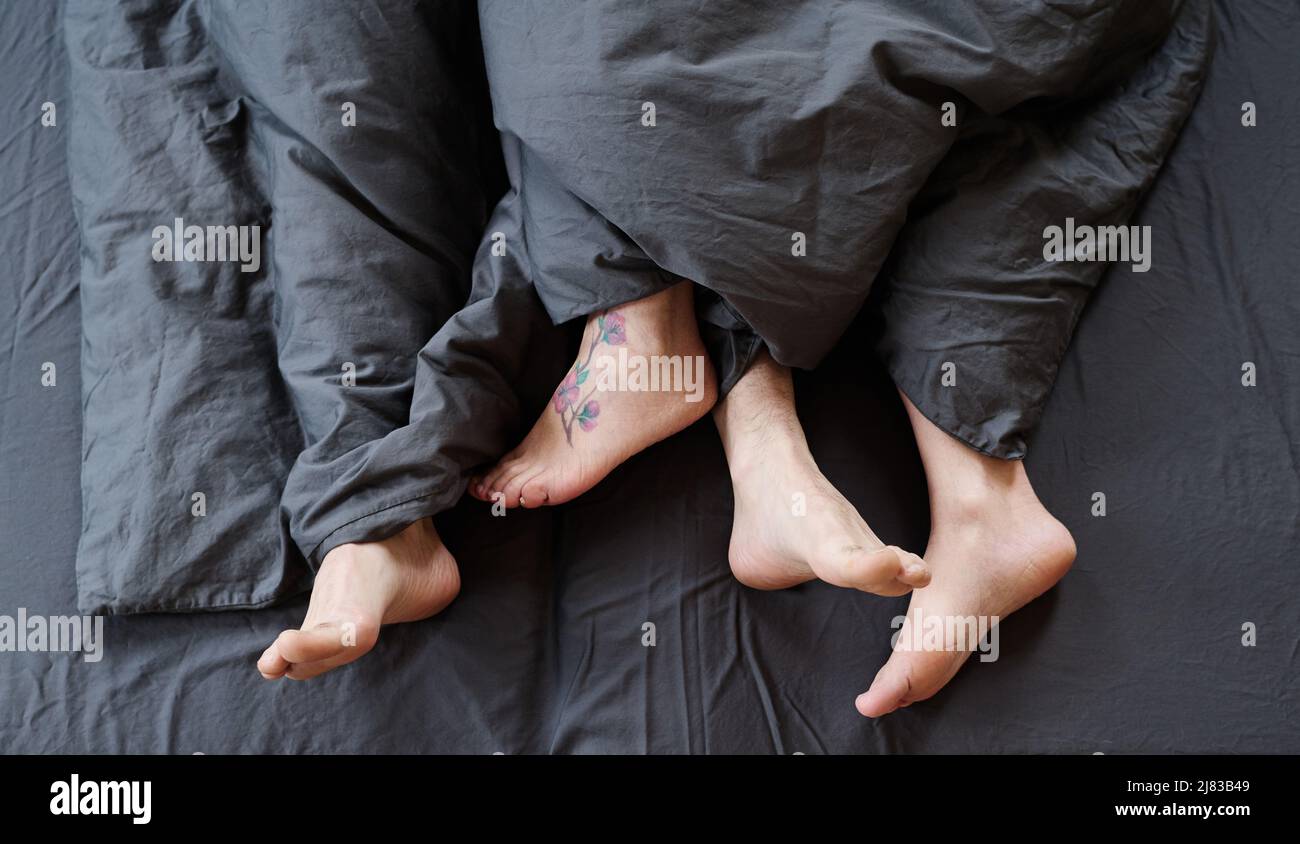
x=232, y=114
x=370, y=233
x=177, y=358
x=991, y=306
x=778, y=120
x=1138, y=649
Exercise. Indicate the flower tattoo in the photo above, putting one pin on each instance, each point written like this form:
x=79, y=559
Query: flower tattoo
x=569, y=402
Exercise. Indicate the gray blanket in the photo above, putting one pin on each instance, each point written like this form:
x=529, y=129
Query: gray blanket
x=280, y=204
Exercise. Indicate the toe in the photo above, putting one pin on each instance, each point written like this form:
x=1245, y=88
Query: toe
x=514, y=486
x=909, y=676
x=313, y=644
x=888, y=589
x=913, y=571
x=272, y=665
x=507, y=467
x=311, y=652
x=889, y=690
x=477, y=488
x=308, y=670
x=535, y=492
x=875, y=571
x=495, y=477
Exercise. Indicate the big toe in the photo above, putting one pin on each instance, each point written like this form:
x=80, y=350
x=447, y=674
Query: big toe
x=305, y=653
x=889, y=571
x=271, y=664
x=912, y=570
x=907, y=677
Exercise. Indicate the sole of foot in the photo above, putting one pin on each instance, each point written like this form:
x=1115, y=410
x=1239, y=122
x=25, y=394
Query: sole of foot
x=359, y=588
x=792, y=525
x=986, y=563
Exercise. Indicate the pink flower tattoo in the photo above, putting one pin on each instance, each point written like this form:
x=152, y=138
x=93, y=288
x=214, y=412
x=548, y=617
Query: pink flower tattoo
x=614, y=328
x=587, y=417
x=567, y=393
x=569, y=402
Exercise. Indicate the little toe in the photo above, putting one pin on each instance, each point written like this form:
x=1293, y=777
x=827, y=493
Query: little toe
x=478, y=488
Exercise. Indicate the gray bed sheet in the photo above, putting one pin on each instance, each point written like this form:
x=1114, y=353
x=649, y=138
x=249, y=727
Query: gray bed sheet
x=1139, y=649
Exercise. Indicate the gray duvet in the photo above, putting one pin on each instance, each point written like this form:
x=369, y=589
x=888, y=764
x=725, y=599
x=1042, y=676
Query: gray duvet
x=281, y=203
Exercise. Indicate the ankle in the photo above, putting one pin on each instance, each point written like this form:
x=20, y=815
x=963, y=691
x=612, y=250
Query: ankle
x=755, y=451
x=984, y=487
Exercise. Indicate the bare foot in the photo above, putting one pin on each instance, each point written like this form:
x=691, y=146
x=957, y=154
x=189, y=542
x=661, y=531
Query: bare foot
x=641, y=375
x=791, y=526
x=360, y=587
x=990, y=555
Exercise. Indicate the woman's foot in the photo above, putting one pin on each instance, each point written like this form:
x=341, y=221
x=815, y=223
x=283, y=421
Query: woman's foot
x=993, y=548
x=360, y=587
x=791, y=525
x=641, y=376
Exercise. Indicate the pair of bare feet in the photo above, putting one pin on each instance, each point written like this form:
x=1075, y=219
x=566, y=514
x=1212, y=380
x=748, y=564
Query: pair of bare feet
x=993, y=546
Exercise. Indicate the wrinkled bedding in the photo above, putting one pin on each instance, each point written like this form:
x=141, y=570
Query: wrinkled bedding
x=751, y=152
x=1140, y=648
x=244, y=402
x=777, y=154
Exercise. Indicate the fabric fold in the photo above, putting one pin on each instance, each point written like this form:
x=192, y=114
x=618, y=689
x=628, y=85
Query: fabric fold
x=335, y=166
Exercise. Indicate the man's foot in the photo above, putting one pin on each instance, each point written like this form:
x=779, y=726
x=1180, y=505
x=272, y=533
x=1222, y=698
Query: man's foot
x=989, y=557
x=360, y=587
x=791, y=526
x=641, y=376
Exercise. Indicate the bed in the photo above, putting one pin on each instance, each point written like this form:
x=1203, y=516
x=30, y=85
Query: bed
x=613, y=625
